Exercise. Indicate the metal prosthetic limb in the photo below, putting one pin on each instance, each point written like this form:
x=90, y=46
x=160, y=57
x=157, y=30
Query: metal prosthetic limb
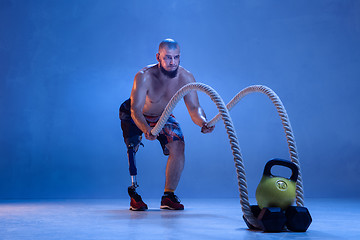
x=132, y=164
x=136, y=202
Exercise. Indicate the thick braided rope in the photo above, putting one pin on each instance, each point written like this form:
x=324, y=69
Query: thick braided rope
x=286, y=125
x=224, y=113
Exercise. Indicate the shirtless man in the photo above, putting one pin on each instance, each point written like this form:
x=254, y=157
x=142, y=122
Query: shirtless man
x=153, y=88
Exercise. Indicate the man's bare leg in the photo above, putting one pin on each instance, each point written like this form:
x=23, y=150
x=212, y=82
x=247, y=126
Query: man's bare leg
x=175, y=165
x=174, y=168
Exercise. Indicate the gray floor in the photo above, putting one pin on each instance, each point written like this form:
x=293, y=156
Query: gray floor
x=201, y=219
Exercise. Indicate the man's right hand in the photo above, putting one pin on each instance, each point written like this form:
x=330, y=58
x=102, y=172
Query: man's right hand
x=149, y=136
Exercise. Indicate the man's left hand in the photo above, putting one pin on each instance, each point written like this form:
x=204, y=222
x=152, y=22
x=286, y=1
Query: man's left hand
x=206, y=129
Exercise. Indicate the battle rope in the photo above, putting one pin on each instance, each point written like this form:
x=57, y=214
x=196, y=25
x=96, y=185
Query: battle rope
x=286, y=125
x=224, y=113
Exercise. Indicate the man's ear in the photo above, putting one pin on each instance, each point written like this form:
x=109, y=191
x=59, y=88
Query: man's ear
x=158, y=57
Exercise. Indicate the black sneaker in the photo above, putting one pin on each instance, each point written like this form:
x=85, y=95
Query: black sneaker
x=136, y=202
x=171, y=201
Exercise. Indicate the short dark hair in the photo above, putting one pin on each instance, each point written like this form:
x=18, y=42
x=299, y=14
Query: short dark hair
x=169, y=43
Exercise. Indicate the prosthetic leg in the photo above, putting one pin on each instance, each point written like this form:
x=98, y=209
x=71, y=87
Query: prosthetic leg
x=136, y=203
x=132, y=165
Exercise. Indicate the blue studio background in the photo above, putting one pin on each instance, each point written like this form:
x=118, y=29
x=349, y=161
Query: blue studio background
x=66, y=66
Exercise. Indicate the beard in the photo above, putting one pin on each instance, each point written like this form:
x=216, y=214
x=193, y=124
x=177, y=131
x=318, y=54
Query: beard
x=170, y=74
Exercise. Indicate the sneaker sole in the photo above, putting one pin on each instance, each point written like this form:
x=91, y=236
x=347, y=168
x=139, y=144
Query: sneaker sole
x=170, y=208
x=138, y=209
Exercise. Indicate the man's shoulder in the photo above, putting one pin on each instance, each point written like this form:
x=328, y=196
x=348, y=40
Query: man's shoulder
x=148, y=69
x=146, y=72
x=186, y=75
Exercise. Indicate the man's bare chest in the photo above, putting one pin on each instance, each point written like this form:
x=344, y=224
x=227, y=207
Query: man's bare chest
x=162, y=92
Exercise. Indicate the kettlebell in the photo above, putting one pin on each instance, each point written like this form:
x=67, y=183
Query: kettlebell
x=275, y=191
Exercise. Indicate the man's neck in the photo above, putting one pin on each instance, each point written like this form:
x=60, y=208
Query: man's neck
x=166, y=74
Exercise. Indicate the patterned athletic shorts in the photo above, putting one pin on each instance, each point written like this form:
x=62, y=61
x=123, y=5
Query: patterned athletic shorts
x=132, y=134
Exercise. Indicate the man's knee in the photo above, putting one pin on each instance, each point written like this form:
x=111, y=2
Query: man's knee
x=176, y=147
